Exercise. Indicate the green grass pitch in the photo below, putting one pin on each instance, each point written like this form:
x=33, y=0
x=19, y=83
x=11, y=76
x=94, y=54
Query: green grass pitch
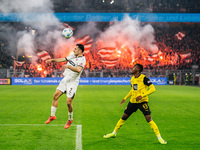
x=175, y=109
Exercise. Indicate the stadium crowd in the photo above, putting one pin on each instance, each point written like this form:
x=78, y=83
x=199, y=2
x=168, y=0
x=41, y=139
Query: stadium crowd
x=4, y=58
x=170, y=49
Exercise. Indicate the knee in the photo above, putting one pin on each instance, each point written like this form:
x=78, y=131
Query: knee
x=125, y=116
x=55, y=97
x=148, y=118
x=69, y=102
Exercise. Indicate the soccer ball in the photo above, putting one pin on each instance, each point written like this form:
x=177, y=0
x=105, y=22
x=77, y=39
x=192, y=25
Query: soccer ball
x=67, y=33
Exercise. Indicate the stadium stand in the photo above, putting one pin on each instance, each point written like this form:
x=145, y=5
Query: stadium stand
x=170, y=47
x=154, y=6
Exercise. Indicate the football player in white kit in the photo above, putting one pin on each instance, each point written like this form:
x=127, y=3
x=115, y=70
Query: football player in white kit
x=69, y=83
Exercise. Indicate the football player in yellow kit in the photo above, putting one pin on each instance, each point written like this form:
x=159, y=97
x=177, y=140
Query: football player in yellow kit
x=141, y=88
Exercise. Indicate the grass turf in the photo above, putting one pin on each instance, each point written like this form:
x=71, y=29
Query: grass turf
x=175, y=109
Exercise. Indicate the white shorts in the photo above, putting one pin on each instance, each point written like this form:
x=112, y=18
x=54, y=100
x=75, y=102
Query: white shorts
x=69, y=87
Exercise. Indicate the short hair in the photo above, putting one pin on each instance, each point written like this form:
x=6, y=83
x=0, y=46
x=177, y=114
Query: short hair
x=140, y=67
x=80, y=46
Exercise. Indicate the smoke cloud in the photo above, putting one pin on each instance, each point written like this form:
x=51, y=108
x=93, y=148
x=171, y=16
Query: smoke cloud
x=44, y=29
x=8, y=6
x=130, y=33
x=89, y=28
x=48, y=30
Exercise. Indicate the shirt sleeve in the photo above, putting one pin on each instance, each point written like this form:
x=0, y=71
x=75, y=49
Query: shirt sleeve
x=70, y=57
x=147, y=81
x=81, y=62
x=151, y=90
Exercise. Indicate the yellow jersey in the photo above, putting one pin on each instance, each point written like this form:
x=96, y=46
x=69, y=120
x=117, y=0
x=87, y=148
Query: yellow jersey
x=141, y=86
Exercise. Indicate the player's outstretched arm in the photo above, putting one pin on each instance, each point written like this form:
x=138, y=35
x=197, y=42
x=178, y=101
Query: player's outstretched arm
x=56, y=60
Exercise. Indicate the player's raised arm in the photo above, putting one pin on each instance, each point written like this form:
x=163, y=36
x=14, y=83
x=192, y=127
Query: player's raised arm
x=56, y=60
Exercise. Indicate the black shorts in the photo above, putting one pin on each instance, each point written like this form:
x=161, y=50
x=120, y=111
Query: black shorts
x=133, y=107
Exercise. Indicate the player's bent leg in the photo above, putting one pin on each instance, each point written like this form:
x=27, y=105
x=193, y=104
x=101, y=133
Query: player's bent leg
x=70, y=108
x=56, y=96
x=54, y=106
x=69, y=104
x=70, y=112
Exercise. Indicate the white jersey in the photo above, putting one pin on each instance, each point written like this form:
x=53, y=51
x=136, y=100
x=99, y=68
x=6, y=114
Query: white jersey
x=74, y=61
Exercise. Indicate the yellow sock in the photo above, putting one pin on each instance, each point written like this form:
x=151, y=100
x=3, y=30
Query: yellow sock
x=154, y=127
x=119, y=124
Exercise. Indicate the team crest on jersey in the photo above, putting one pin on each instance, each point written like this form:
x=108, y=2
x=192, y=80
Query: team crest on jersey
x=149, y=82
x=135, y=86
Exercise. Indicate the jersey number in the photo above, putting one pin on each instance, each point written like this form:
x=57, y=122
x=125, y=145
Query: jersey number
x=70, y=90
x=145, y=106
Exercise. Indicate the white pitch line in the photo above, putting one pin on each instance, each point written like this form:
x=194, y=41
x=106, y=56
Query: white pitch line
x=79, y=137
x=78, y=131
x=34, y=125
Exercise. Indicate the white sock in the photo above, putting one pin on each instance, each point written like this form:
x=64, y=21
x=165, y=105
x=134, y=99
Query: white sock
x=70, y=115
x=159, y=136
x=53, y=110
x=114, y=132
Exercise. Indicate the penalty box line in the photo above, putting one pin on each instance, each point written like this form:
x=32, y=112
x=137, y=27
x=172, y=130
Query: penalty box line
x=78, y=131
